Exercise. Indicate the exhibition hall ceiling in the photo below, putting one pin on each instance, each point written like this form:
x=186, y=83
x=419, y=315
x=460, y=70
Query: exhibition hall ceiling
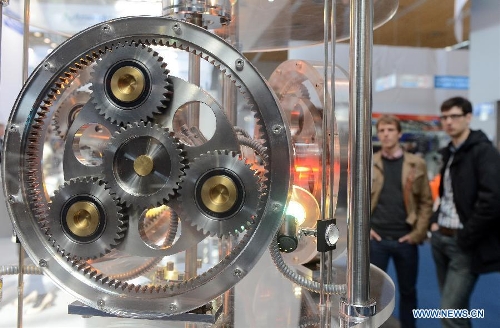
x=423, y=23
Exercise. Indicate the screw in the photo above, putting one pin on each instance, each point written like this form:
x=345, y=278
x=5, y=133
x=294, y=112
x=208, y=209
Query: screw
x=237, y=273
x=240, y=63
x=177, y=28
x=12, y=199
x=276, y=207
x=14, y=128
x=172, y=307
x=277, y=129
x=106, y=28
x=47, y=66
x=101, y=303
x=43, y=263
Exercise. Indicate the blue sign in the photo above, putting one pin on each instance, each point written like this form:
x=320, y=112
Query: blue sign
x=451, y=82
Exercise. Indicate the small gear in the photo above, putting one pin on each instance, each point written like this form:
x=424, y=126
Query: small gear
x=130, y=83
x=68, y=110
x=142, y=164
x=85, y=222
x=220, y=194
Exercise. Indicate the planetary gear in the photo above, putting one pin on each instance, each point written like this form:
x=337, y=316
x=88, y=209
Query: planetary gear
x=220, y=194
x=84, y=220
x=143, y=164
x=130, y=83
x=67, y=112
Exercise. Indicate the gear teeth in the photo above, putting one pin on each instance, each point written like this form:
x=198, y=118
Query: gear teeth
x=157, y=84
x=91, y=250
x=33, y=158
x=236, y=169
x=163, y=145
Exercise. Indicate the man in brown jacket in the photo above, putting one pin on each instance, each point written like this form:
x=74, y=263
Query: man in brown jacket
x=401, y=205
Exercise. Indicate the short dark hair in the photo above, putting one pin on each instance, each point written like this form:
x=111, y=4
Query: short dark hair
x=460, y=102
x=389, y=119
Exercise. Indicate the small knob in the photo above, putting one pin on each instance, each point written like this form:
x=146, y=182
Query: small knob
x=332, y=235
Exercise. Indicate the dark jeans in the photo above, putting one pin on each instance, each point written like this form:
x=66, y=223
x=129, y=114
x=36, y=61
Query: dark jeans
x=405, y=257
x=455, y=279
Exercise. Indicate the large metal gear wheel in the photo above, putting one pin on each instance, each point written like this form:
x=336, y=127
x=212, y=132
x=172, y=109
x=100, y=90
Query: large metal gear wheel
x=220, y=194
x=105, y=283
x=143, y=165
x=130, y=83
x=85, y=222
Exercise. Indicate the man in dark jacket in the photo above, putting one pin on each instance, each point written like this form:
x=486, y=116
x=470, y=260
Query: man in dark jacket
x=466, y=227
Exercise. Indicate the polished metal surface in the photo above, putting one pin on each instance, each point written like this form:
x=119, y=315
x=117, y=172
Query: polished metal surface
x=127, y=83
x=360, y=155
x=142, y=164
x=82, y=218
x=102, y=229
x=130, y=83
x=113, y=269
x=241, y=205
x=208, y=14
x=219, y=193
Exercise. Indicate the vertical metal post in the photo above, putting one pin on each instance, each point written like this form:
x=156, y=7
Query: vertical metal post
x=326, y=266
x=193, y=115
x=3, y=3
x=357, y=306
x=230, y=105
x=26, y=39
x=20, y=276
x=225, y=248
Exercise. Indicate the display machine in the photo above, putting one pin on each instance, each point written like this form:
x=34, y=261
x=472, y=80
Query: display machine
x=148, y=166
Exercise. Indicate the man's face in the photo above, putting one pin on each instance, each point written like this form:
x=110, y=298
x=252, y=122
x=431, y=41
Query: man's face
x=454, y=122
x=388, y=135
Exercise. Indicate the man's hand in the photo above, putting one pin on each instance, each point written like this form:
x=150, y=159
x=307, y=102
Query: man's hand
x=434, y=227
x=406, y=239
x=374, y=235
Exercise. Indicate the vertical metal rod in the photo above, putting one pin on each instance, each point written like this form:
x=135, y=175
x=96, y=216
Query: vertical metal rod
x=193, y=119
x=225, y=248
x=360, y=152
x=326, y=269
x=193, y=116
x=20, y=275
x=26, y=39
x=230, y=105
x=191, y=268
x=3, y=3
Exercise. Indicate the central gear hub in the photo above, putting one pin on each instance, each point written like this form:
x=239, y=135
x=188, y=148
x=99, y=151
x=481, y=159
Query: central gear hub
x=83, y=218
x=219, y=193
x=127, y=84
x=142, y=164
